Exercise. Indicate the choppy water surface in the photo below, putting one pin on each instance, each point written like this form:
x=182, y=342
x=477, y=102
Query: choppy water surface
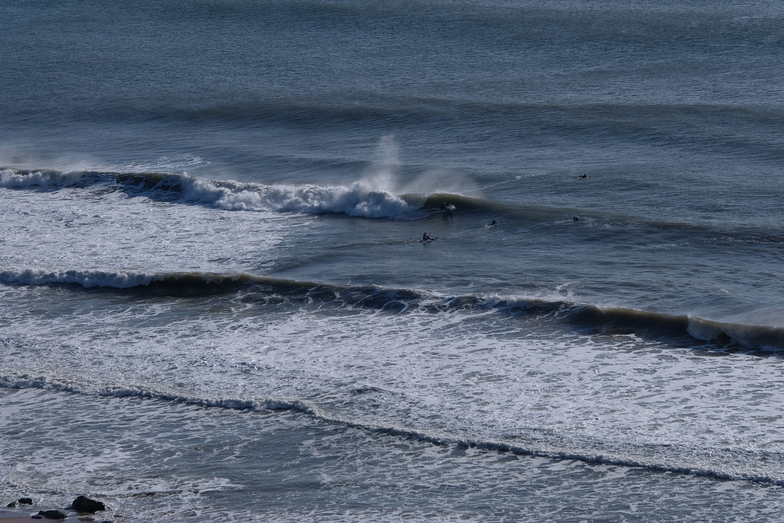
x=215, y=302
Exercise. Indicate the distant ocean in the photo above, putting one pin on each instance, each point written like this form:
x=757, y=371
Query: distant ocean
x=216, y=304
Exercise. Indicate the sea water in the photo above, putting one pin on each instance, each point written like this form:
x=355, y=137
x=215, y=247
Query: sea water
x=215, y=303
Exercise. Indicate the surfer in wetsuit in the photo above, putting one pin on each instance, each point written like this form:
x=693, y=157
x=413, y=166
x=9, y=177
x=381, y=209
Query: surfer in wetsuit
x=425, y=237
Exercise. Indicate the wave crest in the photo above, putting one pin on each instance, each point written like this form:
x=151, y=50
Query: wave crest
x=676, y=330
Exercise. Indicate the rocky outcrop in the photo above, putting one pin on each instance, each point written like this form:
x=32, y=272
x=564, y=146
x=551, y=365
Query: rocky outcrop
x=20, y=501
x=52, y=514
x=81, y=505
x=85, y=505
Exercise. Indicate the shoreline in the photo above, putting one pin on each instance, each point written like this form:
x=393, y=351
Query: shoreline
x=8, y=515
x=16, y=515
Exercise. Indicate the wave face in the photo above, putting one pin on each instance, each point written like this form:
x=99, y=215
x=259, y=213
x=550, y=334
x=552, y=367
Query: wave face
x=288, y=293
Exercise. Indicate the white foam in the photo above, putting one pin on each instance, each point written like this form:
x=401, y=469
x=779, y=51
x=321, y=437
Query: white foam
x=376, y=195
x=361, y=198
x=369, y=198
x=15, y=180
x=89, y=229
x=358, y=199
x=447, y=376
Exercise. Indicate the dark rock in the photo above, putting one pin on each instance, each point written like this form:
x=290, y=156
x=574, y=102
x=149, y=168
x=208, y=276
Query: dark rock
x=52, y=514
x=20, y=501
x=87, y=506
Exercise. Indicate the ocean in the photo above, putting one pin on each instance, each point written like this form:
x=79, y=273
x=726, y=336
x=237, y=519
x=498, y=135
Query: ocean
x=216, y=304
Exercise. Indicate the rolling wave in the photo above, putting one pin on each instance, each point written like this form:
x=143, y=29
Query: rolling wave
x=363, y=198
x=360, y=199
x=668, y=458
x=588, y=319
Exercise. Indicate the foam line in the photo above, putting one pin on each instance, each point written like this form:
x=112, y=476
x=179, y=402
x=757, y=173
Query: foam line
x=553, y=451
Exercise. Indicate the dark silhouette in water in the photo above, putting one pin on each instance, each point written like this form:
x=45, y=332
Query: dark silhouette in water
x=447, y=209
x=583, y=176
x=576, y=219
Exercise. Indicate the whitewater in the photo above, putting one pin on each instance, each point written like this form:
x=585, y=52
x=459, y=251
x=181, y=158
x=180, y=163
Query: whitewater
x=216, y=304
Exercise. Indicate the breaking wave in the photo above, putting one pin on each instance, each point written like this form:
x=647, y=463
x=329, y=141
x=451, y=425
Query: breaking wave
x=360, y=198
x=588, y=319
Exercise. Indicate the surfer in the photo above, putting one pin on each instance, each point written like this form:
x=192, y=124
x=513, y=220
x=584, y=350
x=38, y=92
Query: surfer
x=447, y=209
x=576, y=218
x=493, y=223
x=425, y=237
x=583, y=176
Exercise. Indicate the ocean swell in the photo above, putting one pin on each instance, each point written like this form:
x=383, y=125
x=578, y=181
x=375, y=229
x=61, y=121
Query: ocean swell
x=587, y=319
